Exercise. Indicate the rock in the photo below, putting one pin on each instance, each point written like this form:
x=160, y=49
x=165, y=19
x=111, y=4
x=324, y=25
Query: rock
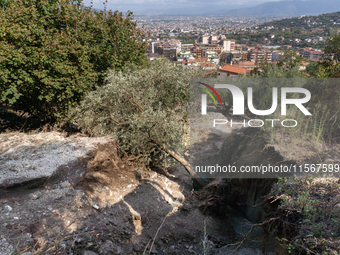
x=95, y=207
x=90, y=253
x=34, y=196
x=34, y=156
x=8, y=208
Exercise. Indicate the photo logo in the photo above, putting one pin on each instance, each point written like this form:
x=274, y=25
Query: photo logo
x=204, y=96
x=238, y=99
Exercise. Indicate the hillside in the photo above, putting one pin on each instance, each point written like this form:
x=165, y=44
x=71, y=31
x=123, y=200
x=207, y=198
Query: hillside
x=288, y=8
x=327, y=20
x=298, y=32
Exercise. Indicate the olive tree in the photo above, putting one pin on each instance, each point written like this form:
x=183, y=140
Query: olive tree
x=146, y=110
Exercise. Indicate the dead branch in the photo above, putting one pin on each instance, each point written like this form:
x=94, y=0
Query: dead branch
x=248, y=233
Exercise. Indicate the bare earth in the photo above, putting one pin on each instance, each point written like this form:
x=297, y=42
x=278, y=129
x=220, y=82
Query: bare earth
x=74, y=195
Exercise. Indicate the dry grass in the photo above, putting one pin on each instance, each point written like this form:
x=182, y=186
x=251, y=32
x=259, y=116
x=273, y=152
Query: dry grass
x=309, y=215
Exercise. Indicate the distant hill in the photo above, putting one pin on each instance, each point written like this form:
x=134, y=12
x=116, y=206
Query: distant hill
x=288, y=8
x=323, y=21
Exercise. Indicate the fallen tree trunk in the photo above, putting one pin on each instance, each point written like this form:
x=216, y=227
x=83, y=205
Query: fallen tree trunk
x=187, y=166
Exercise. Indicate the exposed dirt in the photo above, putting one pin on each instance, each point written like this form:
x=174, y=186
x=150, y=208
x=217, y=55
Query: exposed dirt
x=96, y=202
x=101, y=204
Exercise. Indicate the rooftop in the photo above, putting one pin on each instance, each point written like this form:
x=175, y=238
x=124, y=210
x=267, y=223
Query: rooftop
x=233, y=69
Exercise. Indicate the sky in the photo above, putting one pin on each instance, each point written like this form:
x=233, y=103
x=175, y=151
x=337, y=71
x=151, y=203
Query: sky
x=174, y=6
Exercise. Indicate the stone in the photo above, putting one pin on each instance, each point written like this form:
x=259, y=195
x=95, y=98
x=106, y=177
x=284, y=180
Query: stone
x=8, y=208
x=34, y=157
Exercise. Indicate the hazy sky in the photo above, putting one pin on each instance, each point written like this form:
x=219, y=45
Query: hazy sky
x=185, y=6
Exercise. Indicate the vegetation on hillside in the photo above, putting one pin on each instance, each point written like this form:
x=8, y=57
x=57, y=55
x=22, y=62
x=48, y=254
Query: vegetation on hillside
x=306, y=27
x=324, y=20
x=308, y=218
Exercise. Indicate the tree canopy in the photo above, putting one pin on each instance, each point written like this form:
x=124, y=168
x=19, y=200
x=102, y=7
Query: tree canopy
x=53, y=52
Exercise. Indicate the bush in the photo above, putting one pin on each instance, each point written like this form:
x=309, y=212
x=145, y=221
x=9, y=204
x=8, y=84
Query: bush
x=145, y=109
x=53, y=52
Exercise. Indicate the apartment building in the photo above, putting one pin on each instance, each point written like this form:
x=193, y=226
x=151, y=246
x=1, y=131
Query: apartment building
x=203, y=39
x=186, y=47
x=213, y=39
x=186, y=55
x=212, y=47
x=196, y=52
x=260, y=55
x=169, y=51
x=228, y=45
x=313, y=54
x=212, y=57
x=235, y=56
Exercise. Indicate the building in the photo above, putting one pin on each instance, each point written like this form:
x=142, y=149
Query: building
x=212, y=57
x=152, y=56
x=260, y=55
x=313, y=54
x=249, y=66
x=154, y=46
x=232, y=56
x=187, y=55
x=208, y=66
x=169, y=51
x=203, y=39
x=277, y=55
x=186, y=47
x=212, y=47
x=213, y=39
x=228, y=45
x=231, y=71
x=196, y=52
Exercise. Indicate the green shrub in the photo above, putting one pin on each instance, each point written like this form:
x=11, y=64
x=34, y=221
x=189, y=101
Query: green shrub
x=146, y=109
x=53, y=52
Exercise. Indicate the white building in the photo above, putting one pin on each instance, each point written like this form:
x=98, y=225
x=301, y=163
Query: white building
x=213, y=57
x=228, y=45
x=187, y=55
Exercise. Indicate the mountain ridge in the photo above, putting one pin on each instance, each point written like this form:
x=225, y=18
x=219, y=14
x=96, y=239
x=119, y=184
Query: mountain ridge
x=288, y=8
